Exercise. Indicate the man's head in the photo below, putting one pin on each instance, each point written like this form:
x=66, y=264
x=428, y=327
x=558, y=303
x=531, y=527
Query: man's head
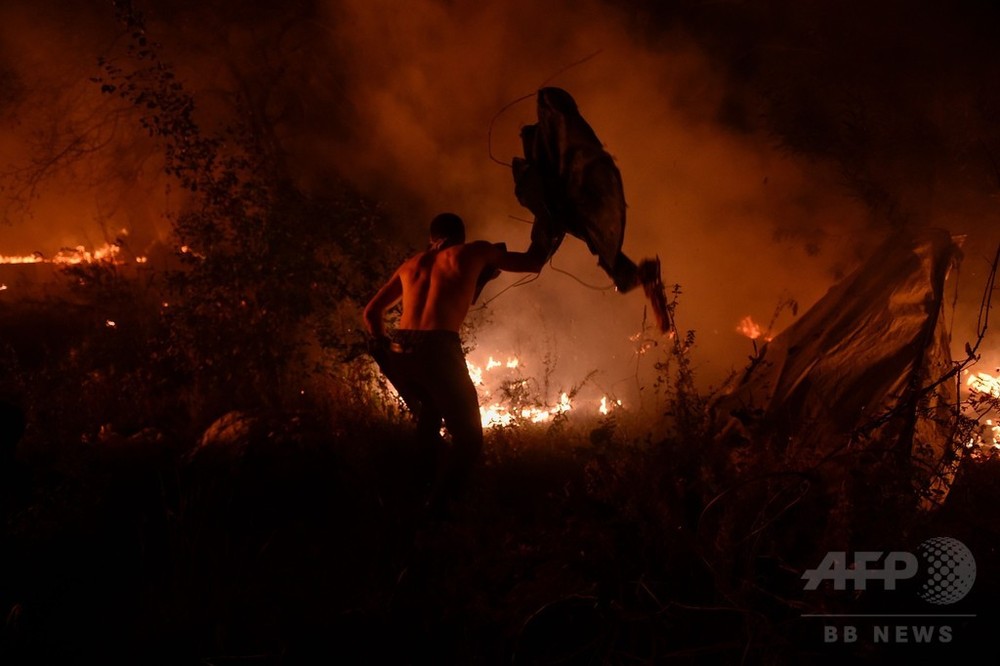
x=447, y=229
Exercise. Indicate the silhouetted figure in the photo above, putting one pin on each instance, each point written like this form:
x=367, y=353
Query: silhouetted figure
x=423, y=358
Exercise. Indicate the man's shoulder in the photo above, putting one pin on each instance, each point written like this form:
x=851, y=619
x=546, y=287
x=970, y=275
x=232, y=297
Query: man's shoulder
x=482, y=252
x=482, y=246
x=414, y=263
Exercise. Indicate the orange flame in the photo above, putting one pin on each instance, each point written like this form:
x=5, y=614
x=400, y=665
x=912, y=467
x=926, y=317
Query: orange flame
x=606, y=407
x=108, y=253
x=988, y=435
x=751, y=329
x=981, y=382
x=497, y=414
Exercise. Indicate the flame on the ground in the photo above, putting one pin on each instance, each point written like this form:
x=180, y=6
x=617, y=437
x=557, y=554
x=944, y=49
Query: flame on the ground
x=981, y=382
x=108, y=253
x=475, y=373
x=499, y=415
x=512, y=412
x=751, y=329
x=987, y=385
x=606, y=408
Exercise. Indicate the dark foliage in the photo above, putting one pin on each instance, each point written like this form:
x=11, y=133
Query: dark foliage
x=265, y=269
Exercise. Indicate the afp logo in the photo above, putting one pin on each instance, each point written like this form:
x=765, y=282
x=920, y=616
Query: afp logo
x=947, y=573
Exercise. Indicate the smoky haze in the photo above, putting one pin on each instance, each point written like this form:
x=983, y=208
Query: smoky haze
x=764, y=149
x=431, y=86
x=63, y=182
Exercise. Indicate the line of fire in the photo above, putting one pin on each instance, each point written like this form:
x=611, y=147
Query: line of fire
x=617, y=332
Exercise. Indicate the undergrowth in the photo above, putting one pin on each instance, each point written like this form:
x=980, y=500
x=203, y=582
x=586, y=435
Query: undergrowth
x=285, y=533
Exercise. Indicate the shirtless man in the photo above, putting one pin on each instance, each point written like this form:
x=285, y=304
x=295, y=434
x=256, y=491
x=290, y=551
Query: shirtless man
x=424, y=359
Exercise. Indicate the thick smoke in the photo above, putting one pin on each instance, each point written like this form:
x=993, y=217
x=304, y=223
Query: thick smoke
x=764, y=149
x=703, y=197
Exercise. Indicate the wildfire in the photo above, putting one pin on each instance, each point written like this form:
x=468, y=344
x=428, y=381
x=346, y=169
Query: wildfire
x=475, y=373
x=26, y=259
x=498, y=415
x=108, y=253
x=605, y=409
x=751, y=329
x=988, y=436
x=981, y=382
x=514, y=411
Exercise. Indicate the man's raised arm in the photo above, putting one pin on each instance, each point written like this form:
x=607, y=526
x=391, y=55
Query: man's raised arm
x=530, y=261
x=498, y=259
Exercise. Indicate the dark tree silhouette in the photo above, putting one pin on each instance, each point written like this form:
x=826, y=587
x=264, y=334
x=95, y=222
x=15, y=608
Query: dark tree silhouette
x=263, y=266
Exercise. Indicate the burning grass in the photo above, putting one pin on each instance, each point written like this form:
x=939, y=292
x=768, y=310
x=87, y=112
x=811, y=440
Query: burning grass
x=109, y=253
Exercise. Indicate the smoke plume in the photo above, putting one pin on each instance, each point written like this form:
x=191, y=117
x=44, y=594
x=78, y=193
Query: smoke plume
x=764, y=149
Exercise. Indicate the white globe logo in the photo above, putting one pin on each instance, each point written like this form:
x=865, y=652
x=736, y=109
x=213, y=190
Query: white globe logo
x=951, y=570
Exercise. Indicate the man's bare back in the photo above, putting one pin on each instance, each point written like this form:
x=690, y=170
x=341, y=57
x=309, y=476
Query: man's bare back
x=437, y=286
